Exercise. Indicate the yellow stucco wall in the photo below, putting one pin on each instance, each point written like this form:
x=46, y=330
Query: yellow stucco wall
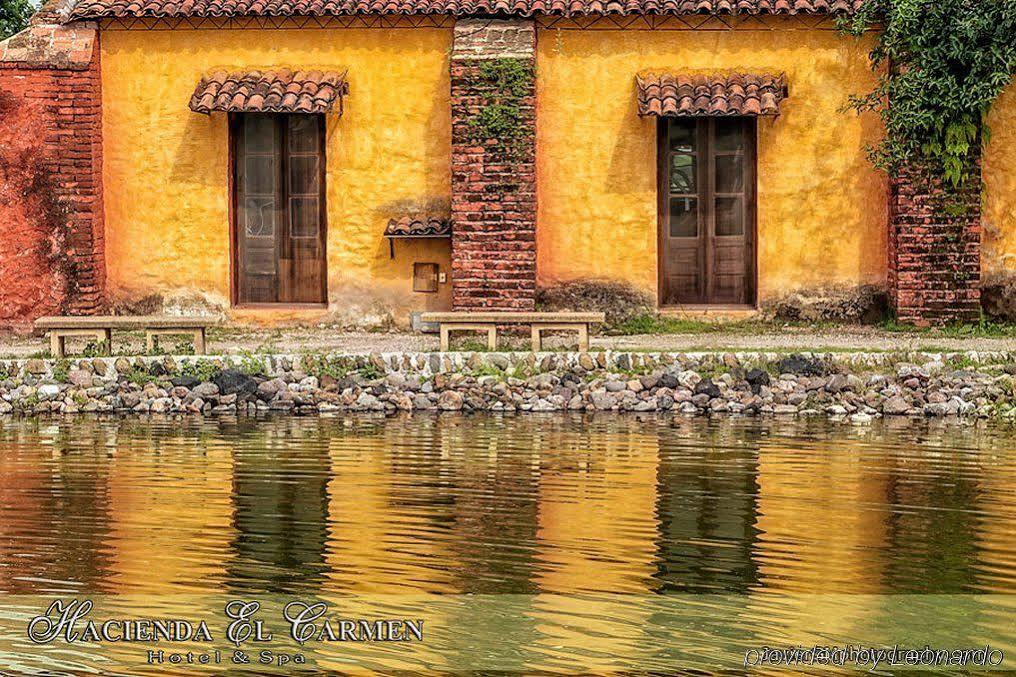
x=999, y=253
x=821, y=206
x=166, y=168
x=821, y=210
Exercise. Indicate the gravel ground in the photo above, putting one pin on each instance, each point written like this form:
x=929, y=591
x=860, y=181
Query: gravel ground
x=785, y=339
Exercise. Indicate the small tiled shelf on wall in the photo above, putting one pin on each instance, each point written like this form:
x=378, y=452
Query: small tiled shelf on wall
x=417, y=228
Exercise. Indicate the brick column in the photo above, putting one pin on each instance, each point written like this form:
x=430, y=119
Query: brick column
x=934, y=255
x=493, y=174
x=50, y=83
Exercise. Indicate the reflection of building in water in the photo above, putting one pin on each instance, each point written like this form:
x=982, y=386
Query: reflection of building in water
x=823, y=536
x=54, y=530
x=596, y=545
x=933, y=528
x=170, y=532
x=996, y=542
x=707, y=510
x=431, y=507
x=280, y=519
x=171, y=511
x=822, y=518
x=492, y=512
x=385, y=536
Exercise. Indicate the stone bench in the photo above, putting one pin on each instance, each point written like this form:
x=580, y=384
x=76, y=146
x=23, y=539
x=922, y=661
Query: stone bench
x=489, y=321
x=101, y=328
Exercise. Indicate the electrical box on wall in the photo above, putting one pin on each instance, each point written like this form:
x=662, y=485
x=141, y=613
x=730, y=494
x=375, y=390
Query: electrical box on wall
x=425, y=277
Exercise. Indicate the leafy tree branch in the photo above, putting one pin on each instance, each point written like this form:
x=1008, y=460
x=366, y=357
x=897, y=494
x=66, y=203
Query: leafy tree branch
x=14, y=15
x=941, y=65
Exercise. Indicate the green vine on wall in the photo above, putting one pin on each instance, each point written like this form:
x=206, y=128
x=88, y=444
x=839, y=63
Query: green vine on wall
x=501, y=117
x=941, y=64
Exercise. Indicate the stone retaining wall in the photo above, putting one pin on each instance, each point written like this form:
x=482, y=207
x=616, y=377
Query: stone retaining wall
x=861, y=386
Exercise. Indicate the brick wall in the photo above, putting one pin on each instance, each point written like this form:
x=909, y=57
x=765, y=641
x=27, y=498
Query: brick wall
x=493, y=182
x=52, y=258
x=934, y=257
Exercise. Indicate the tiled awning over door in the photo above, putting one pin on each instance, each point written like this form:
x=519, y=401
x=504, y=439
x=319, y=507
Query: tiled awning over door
x=270, y=91
x=672, y=95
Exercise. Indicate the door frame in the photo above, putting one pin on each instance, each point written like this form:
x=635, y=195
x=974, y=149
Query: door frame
x=233, y=122
x=706, y=177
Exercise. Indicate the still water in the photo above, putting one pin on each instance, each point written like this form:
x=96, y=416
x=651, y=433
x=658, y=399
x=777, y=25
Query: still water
x=526, y=543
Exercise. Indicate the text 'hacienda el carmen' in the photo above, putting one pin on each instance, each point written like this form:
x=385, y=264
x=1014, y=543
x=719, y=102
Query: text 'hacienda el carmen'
x=306, y=622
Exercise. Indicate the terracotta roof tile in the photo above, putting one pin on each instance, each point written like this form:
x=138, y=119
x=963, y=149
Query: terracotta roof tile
x=91, y=9
x=269, y=91
x=686, y=95
x=419, y=226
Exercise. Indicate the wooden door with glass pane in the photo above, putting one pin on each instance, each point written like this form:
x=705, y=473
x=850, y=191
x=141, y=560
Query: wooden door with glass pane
x=279, y=209
x=707, y=211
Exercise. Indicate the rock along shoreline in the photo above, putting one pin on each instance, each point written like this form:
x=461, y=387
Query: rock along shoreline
x=858, y=386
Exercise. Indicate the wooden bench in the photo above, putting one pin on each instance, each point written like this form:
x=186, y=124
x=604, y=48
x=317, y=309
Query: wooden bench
x=101, y=328
x=489, y=321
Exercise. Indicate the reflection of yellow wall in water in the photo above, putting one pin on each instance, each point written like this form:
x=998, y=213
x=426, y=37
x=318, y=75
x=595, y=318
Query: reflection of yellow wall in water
x=21, y=492
x=150, y=489
x=371, y=549
x=822, y=210
x=375, y=553
x=165, y=167
x=996, y=541
x=822, y=519
x=597, y=534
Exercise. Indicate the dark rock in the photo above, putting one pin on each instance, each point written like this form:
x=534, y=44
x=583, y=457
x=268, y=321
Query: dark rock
x=668, y=381
x=707, y=387
x=235, y=382
x=185, y=381
x=801, y=365
x=157, y=369
x=757, y=378
x=700, y=400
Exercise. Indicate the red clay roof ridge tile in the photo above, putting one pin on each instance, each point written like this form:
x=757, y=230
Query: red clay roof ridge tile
x=94, y=9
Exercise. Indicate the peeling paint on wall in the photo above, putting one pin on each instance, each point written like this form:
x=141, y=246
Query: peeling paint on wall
x=33, y=281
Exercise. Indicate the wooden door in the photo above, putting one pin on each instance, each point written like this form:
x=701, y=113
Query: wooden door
x=279, y=207
x=707, y=210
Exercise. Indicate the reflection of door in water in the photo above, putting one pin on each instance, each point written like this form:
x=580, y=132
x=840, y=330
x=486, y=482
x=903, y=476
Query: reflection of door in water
x=707, y=210
x=280, y=208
